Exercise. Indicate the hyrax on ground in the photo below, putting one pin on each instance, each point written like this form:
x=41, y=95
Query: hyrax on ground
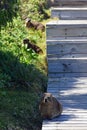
x=34, y=24
x=50, y=107
x=34, y=47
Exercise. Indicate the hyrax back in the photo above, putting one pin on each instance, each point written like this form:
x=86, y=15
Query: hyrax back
x=49, y=106
x=35, y=25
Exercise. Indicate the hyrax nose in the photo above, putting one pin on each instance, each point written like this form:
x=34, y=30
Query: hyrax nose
x=45, y=100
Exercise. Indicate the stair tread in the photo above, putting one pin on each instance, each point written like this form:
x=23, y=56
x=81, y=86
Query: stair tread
x=68, y=22
x=67, y=13
x=68, y=58
x=69, y=8
x=69, y=3
x=64, y=41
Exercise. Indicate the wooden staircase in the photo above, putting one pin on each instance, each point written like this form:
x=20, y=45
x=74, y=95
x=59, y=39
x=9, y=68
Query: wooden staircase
x=67, y=64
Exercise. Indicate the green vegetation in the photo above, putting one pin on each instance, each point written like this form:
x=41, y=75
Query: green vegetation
x=19, y=110
x=8, y=10
x=35, y=9
x=22, y=71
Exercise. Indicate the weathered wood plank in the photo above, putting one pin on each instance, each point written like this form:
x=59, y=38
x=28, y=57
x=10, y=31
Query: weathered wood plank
x=66, y=29
x=64, y=128
x=63, y=48
x=68, y=22
x=49, y=42
x=56, y=75
x=67, y=84
x=77, y=113
x=70, y=91
x=74, y=56
x=57, y=124
x=67, y=65
x=69, y=13
x=69, y=124
x=68, y=2
x=68, y=56
x=73, y=79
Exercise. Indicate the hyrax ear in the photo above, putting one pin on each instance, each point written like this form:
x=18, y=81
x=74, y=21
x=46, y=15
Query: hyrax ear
x=29, y=20
x=49, y=94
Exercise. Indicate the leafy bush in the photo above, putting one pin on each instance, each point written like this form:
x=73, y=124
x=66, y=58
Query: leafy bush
x=8, y=10
x=34, y=9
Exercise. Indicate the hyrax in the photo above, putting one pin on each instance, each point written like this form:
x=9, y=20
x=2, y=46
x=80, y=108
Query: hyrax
x=34, y=47
x=49, y=106
x=33, y=24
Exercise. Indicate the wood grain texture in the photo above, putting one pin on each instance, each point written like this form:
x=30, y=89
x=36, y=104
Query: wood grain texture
x=69, y=13
x=61, y=48
x=67, y=65
x=56, y=75
x=66, y=29
x=71, y=3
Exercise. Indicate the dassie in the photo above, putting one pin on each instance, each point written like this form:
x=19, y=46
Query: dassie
x=34, y=47
x=34, y=24
x=49, y=106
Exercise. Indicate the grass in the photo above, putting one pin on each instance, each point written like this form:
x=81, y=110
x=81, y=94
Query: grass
x=22, y=77
x=23, y=73
x=17, y=110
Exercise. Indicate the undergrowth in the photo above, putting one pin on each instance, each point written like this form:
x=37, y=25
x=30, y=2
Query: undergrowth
x=34, y=9
x=23, y=73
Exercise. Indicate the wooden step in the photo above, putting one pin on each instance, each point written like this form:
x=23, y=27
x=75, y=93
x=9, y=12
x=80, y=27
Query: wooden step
x=69, y=13
x=68, y=2
x=58, y=75
x=67, y=87
x=58, y=48
x=67, y=65
x=72, y=93
x=67, y=58
x=66, y=29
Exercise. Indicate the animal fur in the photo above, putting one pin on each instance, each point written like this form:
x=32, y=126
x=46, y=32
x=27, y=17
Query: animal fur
x=49, y=106
x=32, y=46
x=35, y=25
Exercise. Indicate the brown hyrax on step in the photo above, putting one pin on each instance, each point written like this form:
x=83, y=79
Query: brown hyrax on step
x=49, y=106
